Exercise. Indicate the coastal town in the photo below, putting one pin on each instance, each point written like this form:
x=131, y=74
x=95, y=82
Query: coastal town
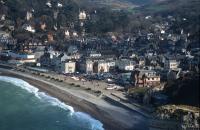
x=133, y=69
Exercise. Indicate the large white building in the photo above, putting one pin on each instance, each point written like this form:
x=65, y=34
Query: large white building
x=68, y=67
x=89, y=66
x=98, y=66
x=19, y=57
x=102, y=67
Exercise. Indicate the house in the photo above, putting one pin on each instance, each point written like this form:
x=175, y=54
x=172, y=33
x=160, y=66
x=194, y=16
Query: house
x=89, y=66
x=45, y=60
x=82, y=15
x=28, y=28
x=101, y=67
x=2, y=17
x=4, y=34
x=39, y=51
x=29, y=15
x=141, y=61
x=43, y=26
x=150, y=53
x=146, y=78
x=125, y=64
x=85, y=66
x=50, y=37
x=72, y=49
x=94, y=65
x=171, y=63
x=75, y=56
x=50, y=59
x=68, y=67
x=193, y=64
x=94, y=54
x=57, y=61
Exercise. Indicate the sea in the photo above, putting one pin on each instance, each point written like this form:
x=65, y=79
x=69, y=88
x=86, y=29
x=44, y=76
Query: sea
x=24, y=107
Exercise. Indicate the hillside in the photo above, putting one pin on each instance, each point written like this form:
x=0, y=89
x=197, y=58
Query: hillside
x=172, y=6
x=184, y=91
x=116, y=4
x=145, y=2
x=179, y=9
x=105, y=20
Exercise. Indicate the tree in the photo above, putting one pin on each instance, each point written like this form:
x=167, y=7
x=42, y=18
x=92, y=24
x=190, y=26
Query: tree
x=144, y=79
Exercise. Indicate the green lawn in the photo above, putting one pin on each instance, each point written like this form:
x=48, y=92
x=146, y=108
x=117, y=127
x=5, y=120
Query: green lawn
x=138, y=90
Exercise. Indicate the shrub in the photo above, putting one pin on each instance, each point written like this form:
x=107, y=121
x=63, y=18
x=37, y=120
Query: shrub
x=78, y=86
x=88, y=88
x=98, y=91
x=71, y=84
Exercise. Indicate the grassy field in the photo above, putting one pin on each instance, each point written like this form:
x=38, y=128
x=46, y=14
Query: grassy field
x=138, y=90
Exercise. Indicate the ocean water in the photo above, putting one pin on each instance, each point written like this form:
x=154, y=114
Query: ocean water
x=23, y=107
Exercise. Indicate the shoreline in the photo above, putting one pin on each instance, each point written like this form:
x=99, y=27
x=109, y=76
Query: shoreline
x=79, y=104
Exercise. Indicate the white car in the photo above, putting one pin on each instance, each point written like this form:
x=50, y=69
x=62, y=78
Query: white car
x=109, y=80
x=119, y=88
x=111, y=88
x=75, y=78
x=83, y=80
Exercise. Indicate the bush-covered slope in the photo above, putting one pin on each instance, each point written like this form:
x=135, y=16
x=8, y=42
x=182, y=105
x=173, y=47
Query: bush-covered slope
x=184, y=91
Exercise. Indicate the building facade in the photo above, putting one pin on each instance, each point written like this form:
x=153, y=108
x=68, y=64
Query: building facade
x=68, y=67
x=146, y=78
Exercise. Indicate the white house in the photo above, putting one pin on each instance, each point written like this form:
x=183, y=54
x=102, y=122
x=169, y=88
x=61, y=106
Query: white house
x=30, y=29
x=99, y=66
x=68, y=67
x=67, y=35
x=49, y=4
x=60, y=5
x=29, y=15
x=103, y=67
x=82, y=15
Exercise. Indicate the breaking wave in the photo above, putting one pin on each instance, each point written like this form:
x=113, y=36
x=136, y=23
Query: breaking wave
x=95, y=124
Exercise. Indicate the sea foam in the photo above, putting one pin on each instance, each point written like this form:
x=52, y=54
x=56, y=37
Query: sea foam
x=95, y=124
x=41, y=95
